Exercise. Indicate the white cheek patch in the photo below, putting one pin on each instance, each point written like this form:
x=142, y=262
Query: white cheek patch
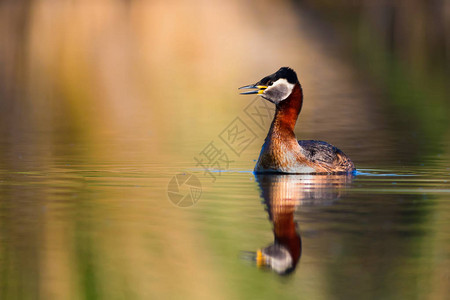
x=278, y=91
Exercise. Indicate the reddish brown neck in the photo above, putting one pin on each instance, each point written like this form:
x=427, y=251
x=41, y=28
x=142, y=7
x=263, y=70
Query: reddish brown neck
x=286, y=113
x=285, y=230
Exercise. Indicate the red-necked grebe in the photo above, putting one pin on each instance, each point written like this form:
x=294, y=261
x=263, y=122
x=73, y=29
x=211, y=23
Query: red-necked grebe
x=281, y=152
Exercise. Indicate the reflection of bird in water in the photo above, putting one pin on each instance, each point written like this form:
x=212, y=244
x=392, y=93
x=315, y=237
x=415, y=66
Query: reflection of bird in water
x=282, y=194
x=281, y=152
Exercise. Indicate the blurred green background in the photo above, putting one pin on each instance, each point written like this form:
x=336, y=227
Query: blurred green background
x=101, y=103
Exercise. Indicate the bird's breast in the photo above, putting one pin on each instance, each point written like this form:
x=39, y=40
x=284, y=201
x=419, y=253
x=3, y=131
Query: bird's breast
x=285, y=157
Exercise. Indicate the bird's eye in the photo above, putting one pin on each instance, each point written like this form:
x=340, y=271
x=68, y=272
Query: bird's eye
x=270, y=83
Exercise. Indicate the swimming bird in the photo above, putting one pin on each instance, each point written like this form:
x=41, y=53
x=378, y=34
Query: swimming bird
x=281, y=151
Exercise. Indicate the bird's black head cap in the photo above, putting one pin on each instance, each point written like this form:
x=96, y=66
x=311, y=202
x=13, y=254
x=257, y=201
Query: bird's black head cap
x=288, y=73
x=284, y=72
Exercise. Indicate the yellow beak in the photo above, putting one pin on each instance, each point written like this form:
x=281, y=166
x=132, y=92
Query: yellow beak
x=259, y=89
x=260, y=259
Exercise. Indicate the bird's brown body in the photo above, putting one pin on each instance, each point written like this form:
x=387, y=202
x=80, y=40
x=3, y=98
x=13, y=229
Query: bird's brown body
x=282, y=153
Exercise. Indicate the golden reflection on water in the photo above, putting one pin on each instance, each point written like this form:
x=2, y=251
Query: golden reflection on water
x=282, y=195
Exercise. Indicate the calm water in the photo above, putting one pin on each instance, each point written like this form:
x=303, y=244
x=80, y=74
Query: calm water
x=126, y=158
x=81, y=225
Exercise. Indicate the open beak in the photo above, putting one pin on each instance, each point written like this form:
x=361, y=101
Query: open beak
x=255, y=257
x=260, y=259
x=259, y=89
